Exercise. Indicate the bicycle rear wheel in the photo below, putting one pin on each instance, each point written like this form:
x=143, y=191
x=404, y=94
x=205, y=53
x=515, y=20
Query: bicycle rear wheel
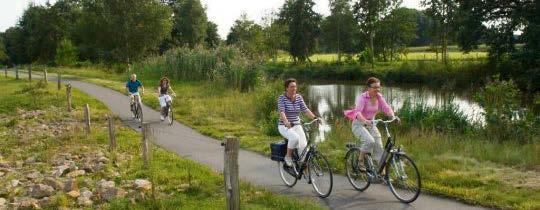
x=358, y=179
x=403, y=178
x=286, y=174
x=320, y=174
x=139, y=112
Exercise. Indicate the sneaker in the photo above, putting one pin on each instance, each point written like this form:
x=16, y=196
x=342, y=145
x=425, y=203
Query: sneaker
x=161, y=117
x=288, y=161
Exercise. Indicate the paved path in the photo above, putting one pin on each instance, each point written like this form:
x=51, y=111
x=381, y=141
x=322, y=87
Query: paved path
x=255, y=168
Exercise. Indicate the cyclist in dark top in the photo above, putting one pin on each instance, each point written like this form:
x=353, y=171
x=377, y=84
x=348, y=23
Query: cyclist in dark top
x=132, y=87
x=164, y=89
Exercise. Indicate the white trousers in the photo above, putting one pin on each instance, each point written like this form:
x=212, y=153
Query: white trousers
x=296, y=137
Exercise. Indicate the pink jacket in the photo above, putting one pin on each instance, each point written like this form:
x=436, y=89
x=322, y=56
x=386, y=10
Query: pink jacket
x=368, y=110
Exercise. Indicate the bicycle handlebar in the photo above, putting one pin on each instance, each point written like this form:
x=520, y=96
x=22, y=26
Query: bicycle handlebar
x=377, y=121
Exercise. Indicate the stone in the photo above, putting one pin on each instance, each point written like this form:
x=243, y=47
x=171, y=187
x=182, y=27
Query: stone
x=76, y=173
x=3, y=202
x=33, y=175
x=103, y=160
x=60, y=170
x=56, y=184
x=30, y=160
x=4, y=164
x=25, y=202
x=15, y=183
x=74, y=194
x=41, y=190
x=70, y=185
x=46, y=201
x=142, y=184
x=85, y=198
x=107, y=190
x=2, y=174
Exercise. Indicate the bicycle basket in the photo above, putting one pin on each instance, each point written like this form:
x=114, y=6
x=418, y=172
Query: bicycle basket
x=278, y=149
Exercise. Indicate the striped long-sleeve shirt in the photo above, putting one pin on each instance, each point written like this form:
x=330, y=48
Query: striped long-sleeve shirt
x=292, y=109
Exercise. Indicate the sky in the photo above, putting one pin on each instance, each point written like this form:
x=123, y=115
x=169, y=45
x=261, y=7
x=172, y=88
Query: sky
x=221, y=12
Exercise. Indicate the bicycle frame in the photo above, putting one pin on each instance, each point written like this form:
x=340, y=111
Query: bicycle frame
x=304, y=156
x=389, y=150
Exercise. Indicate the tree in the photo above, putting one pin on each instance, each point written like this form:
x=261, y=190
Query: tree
x=190, y=23
x=424, y=23
x=66, y=53
x=14, y=44
x=4, y=58
x=123, y=30
x=339, y=28
x=275, y=35
x=247, y=35
x=304, y=28
x=444, y=13
x=395, y=32
x=212, y=39
x=368, y=13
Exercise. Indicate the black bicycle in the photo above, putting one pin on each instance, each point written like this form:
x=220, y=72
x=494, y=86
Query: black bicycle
x=136, y=107
x=401, y=173
x=310, y=164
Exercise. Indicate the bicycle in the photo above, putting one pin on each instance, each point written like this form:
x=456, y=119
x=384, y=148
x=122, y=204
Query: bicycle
x=136, y=107
x=401, y=173
x=169, y=114
x=314, y=162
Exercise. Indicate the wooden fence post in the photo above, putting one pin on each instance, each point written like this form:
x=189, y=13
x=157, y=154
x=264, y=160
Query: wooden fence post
x=16, y=73
x=230, y=173
x=112, y=137
x=5, y=71
x=147, y=133
x=59, y=77
x=45, y=76
x=68, y=93
x=30, y=74
x=87, y=119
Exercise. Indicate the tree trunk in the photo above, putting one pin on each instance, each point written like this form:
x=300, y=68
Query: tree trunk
x=371, y=36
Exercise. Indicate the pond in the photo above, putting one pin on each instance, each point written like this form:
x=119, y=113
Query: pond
x=329, y=101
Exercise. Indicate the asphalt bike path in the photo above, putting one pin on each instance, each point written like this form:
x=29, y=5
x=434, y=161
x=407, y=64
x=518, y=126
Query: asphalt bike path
x=254, y=168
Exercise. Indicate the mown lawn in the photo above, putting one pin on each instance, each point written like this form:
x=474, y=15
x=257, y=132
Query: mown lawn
x=179, y=183
x=474, y=170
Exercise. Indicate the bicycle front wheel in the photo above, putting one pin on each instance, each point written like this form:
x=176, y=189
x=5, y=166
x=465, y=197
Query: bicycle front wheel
x=320, y=175
x=139, y=113
x=358, y=178
x=403, y=178
x=170, y=116
x=287, y=174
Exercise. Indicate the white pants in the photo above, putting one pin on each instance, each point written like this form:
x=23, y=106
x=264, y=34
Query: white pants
x=163, y=100
x=132, y=97
x=370, y=138
x=296, y=137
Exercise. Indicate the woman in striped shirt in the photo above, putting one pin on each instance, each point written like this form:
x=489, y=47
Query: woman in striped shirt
x=289, y=106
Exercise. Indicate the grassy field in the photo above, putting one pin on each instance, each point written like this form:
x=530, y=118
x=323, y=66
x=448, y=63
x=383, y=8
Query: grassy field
x=178, y=182
x=474, y=170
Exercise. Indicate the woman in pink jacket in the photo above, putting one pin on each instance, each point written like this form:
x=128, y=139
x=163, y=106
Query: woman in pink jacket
x=367, y=107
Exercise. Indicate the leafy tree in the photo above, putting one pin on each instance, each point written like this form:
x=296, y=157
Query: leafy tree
x=304, y=27
x=212, y=39
x=275, y=35
x=14, y=44
x=66, y=53
x=395, y=32
x=369, y=12
x=444, y=13
x=339, y=28
x=122, y=30
x=424, y=24
x=190, y=23
x=4, y=58
x=247, y=35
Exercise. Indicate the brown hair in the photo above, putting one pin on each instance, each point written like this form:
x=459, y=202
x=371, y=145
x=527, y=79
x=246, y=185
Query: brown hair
x=289, y=81
x=372, y=80
x=163, y=79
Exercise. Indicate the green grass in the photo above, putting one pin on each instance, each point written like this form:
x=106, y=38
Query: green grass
x=459, y=166
x=179, y=183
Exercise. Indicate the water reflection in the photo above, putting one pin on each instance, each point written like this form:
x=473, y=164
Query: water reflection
x=329, y=101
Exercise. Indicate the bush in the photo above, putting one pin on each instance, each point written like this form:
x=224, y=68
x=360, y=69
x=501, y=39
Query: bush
x=66, y=54
x=267, y=108
x=505, y=119
x=226, y=64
